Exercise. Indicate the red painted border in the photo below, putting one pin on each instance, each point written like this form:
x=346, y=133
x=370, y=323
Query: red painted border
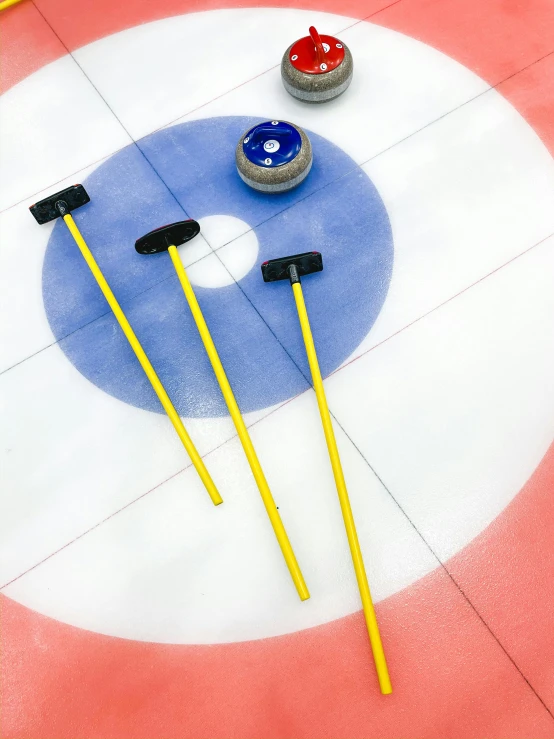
x=26, y=44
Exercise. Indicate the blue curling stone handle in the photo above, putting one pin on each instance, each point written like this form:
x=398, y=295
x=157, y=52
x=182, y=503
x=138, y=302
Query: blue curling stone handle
x=271, y=144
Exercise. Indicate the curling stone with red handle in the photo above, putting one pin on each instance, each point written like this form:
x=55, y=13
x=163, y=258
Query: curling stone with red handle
x=317, y=68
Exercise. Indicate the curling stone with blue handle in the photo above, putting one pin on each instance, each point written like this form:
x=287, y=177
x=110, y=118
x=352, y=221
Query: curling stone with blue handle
x=274, y=156
x=317, y=68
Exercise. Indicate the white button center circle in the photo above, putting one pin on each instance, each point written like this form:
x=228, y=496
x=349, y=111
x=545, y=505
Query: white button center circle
x=237, y=252
x=272, y=145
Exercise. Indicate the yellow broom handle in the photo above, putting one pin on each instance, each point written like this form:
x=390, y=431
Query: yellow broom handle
x=8, y=3
x=159, y=389
x=240, y=426
x=355, y=551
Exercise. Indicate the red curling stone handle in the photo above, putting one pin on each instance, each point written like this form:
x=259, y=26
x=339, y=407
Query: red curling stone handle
x=320, y=51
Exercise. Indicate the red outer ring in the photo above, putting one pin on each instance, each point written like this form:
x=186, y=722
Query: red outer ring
x=306, y=56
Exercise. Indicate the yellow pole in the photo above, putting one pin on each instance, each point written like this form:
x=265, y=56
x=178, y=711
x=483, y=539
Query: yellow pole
x=240, y=426
x=159, y=389
x=8, y=3
x=355, y=551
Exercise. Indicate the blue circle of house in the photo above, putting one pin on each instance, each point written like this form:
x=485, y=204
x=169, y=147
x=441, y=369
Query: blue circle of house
x=188, y=171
